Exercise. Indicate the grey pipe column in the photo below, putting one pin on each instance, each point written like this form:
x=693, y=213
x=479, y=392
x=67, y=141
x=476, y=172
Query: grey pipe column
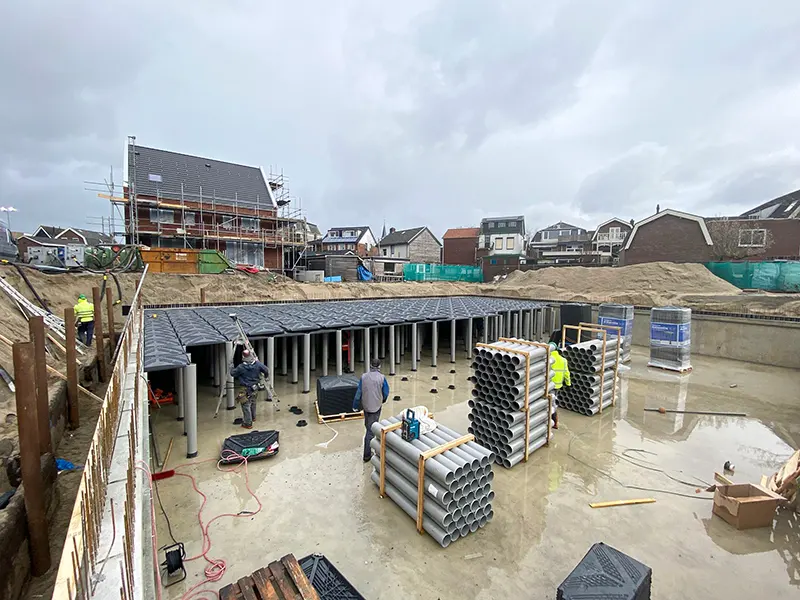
x=284, y=356
x=509, y=330
x=230, y=403
x=398, y=343
x=214, y=366
x=261, y=356
x=361, y=347
x=381, y=338
x=514, y=324
x=413, y=346
x=434, y=342
x=485, y=330
x=468, y=340
x=376, y=343
x=306, y=363
x=325, y=343
x=294, y=359
x=271, y=361
x=313, y=353
x=190, y=389
x=367, y=336
x=179, y=391
x=453, y=340
x=221, y=369
x=391, y=349
x=352, y=352
x=338, y=343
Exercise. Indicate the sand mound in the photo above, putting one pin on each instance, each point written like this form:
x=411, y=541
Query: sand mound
x=648, y=284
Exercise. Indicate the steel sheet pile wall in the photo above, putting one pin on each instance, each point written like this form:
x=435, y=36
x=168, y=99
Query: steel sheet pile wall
x=458, y=482
x=498, y=403
x=593, y=379
x=618, y=315
x=671, y=338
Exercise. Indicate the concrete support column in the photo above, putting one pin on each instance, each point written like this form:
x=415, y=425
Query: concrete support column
x=284, y=356
x=313, y=353
x=434, y=342
x=230, y=403
x=294, y=359
x=453, y=340
x=338, y=343
x=367, y=336
x=306, y=363
x=271, y=361
x=398, y=343
x=190, y=391
x=392, y=349
x=413, y=346
x=376, y=342
x=468, y=340
x=352, y=351
x=325, y=344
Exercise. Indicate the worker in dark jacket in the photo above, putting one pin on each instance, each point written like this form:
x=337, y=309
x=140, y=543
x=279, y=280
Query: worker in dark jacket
x=372, y=392
x=249, y=373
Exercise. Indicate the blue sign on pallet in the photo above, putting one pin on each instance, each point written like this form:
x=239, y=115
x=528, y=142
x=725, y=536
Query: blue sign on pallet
x=670, y=334
x=626, y=325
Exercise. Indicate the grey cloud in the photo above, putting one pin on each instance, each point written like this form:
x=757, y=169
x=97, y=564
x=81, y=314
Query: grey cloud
x=421, y=112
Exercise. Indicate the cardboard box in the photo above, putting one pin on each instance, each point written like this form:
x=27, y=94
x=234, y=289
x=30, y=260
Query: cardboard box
x=745, y=505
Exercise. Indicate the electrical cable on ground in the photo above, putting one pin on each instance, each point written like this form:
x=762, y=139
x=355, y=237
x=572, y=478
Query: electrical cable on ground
x=629, y=486
x=335, y=435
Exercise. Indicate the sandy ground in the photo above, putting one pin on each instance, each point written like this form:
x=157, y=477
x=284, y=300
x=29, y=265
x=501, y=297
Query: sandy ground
x=321, y=499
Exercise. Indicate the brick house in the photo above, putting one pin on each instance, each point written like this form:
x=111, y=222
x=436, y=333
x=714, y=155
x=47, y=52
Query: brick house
x=56, y=237
x=609, y=237
x=418, y=245
x=769, y=231
x=668, y=235
x=560, y=243
x=503, y=235
x=460, y=245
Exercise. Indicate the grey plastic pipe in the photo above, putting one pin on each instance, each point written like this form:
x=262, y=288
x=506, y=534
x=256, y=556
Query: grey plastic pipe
x=436, y=469
x=421, y=445
x=483, y=459
x=442, y=517
x=469, y=446
x=435, y=490
x=434, y=530
x=513, y=459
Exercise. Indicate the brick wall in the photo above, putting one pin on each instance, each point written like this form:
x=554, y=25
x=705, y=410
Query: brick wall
x=425, y=249
x=668, y=238
x=784, y=233
x=460, y=251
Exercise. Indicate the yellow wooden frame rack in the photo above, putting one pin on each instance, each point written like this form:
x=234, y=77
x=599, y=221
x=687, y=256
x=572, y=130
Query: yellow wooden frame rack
x=600, y=329
x=424, y=456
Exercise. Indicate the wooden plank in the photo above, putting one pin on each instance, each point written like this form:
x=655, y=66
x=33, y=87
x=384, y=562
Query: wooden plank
x=527, y=410
x=622, y=502
x=282, y=582
x=382, y=478
x=420, y=491
x=307, y=591
x=246, y=587
x=448, y=446
x=263, y=585
x=230, y=592
x=722, y=479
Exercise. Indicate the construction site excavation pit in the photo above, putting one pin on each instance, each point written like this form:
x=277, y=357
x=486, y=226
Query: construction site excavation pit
x=318, y=497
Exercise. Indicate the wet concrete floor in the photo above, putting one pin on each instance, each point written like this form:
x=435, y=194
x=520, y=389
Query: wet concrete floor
x=318, y=499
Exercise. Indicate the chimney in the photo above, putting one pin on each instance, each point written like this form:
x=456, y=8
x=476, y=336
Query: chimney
x=392, y=229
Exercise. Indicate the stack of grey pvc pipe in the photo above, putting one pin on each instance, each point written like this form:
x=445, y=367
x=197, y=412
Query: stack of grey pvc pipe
x=588, y=372
x=497, y=418
x=458, y=482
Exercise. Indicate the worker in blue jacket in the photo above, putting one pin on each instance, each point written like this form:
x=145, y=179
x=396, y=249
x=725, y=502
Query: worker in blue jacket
x=249, y=373
x=372, y=392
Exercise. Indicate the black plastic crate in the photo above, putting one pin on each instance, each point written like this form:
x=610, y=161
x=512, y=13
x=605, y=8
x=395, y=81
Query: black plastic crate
x=326, y=579
x=335, y=393
x=605, y=573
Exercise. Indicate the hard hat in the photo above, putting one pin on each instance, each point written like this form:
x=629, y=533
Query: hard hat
x=553, y=346
x=81, y=296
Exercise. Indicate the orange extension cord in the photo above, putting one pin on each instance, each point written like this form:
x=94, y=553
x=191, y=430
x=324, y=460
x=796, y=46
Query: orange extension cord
x=216, y=566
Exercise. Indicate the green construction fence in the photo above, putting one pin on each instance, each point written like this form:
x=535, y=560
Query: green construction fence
x=771, y=276
x=424, y=272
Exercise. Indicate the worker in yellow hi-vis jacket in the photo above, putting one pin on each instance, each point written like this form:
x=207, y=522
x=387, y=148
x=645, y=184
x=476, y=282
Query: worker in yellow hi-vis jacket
x=560, y=369
x=84, y=319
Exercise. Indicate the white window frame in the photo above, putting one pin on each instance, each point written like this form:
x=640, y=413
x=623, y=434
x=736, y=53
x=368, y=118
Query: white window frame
x=189, y=218
x=509, y=243
x=748, y=239
x=545, y=235
x=498, y=243
x=161, y=215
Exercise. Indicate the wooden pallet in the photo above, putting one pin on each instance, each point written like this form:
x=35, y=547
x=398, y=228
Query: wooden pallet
x=351, y=416
x=281, y=580
x=666, y=370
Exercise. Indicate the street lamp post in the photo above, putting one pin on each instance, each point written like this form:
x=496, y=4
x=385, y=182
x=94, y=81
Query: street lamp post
x=8, y=210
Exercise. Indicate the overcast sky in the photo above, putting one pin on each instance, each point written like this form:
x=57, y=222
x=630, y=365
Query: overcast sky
x=419, y=112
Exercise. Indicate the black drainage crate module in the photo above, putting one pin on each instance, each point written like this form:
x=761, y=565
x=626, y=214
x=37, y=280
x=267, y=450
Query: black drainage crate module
x=606, y=573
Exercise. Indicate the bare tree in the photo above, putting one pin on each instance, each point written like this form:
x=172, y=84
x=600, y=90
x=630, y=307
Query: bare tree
x=735, y=239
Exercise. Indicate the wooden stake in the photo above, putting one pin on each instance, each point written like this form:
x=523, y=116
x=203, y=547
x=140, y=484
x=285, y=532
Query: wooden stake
x=202, y=295
x=112, y=336
x=98, y=333
x=36, y=328
x=28, y=427
x=622, y=503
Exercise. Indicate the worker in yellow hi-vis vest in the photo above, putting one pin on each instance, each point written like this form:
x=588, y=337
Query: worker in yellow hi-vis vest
x=84, y=319
x=560, y=369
